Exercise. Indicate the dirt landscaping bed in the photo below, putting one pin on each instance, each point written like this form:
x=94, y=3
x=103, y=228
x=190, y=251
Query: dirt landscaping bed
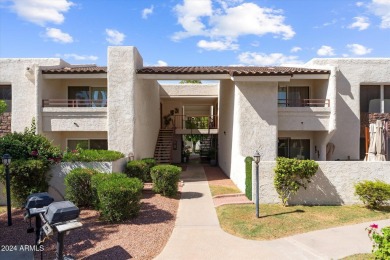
x=141, y=238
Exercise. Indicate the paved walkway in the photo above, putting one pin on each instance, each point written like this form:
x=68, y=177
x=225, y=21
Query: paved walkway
x=197, y=234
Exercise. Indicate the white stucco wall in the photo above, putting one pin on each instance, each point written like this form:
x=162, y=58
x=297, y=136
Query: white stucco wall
x=333, y=183
x=351, y=73
x=303, y=118
x=121, y=79
x=172, y=90
x=24, y=88
x=254, y=125
x=60, y=170
x=225, y=134
x=147, y=118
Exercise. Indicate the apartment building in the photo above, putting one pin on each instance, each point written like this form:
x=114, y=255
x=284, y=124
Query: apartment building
x=295, y=112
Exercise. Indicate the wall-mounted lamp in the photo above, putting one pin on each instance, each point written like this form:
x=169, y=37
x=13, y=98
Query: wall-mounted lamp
x=131, y=156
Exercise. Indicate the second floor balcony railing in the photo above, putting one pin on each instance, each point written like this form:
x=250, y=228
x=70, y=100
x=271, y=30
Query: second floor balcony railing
x=303, y=102
x=74, y=103
x=195, y=122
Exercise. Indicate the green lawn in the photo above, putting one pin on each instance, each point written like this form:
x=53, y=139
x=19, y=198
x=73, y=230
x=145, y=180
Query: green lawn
x=359, y=257
x=221, y=190
x=3, y=209
x=277, y=221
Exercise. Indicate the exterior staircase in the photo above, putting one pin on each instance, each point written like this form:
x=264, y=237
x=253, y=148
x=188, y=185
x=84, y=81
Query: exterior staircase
x=163, y=150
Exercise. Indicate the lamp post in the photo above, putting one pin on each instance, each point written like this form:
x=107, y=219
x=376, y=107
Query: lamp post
x=6, y=162
x=256, y=156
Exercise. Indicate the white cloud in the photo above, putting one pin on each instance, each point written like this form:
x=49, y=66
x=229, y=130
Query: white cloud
x=78, y=57
x=189, y=17
x=115, y=37
x=381, y=8
x=217, y=45
x=358, y=49
x=147, y=11
x=262, y=59
x=161, y=63
x=325, y=51
x=295, y=49
x=58, y=36
x=359, y=4
x=225, y=21
x=41, y=11
x=361, y=23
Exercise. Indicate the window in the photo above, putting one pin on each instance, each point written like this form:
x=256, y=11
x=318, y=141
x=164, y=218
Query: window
x=294, y=148
x=6, y=95
x=96, y=144
x=88, y=96
x=292, y=96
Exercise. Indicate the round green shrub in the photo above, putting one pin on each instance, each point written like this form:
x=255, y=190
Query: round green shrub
x=99, y=178
x=119, y=198
x=165, y=179
x=86, y=155
x=26, y=177
x=373, y=193
x=137, y=169
x=150, y=163
x=78, y=186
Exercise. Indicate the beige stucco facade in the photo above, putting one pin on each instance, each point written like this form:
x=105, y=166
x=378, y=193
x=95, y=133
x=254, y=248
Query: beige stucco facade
x=246, y=108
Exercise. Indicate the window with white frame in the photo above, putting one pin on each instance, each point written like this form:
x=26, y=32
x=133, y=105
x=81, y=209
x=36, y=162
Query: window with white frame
x=95, y=144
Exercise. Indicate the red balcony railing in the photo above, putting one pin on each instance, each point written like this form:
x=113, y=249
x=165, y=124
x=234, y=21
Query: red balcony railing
x=303, y=102
x=195, y=122
x=74, y=103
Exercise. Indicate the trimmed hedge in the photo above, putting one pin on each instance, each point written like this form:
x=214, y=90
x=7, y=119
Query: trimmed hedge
x=26, y=177
x=99, y=178
x=119, y=198
x=140, y=169
x=373, y=193
x=78, y=186
x=165, y=179
x=248, y=177
x=82, y=155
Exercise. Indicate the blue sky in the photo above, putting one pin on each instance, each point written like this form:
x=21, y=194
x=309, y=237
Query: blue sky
x=196, y=32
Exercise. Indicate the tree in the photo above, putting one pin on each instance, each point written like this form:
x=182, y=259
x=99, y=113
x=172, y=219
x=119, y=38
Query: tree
x=194, y=139
x=190, y=81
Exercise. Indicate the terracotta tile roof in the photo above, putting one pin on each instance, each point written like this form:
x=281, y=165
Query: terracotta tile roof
x=75, y=70
x=232, y=71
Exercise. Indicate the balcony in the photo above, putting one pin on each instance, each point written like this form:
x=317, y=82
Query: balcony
x=303, y=102
x=74, y=115
x=195, y=124
x=304, y=115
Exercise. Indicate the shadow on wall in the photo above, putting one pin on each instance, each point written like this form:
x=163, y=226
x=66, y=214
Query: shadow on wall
x=319, y=192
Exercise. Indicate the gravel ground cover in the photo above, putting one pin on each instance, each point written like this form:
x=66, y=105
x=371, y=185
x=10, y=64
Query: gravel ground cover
x=141, y=238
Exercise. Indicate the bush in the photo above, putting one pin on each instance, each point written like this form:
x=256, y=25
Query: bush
x=291, y=175
x=248, y=177
x=165, y=179
x=78, y=186
x=373, y=193
x=28, y=145
x=381, y=241
x=99, y=178
x=137, y=169
x=26, y=177
x=81, y=155
x=150, y=163
x=120, y=199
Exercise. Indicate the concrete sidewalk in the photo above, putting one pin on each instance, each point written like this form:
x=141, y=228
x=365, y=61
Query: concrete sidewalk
x=197, y=234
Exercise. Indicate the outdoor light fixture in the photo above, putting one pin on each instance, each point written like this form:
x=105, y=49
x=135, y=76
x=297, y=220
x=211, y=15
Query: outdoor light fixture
x=6, y=162
x=256, y=156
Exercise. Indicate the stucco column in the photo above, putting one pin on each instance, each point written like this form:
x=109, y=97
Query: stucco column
x=254, y=125
x=123, y=62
